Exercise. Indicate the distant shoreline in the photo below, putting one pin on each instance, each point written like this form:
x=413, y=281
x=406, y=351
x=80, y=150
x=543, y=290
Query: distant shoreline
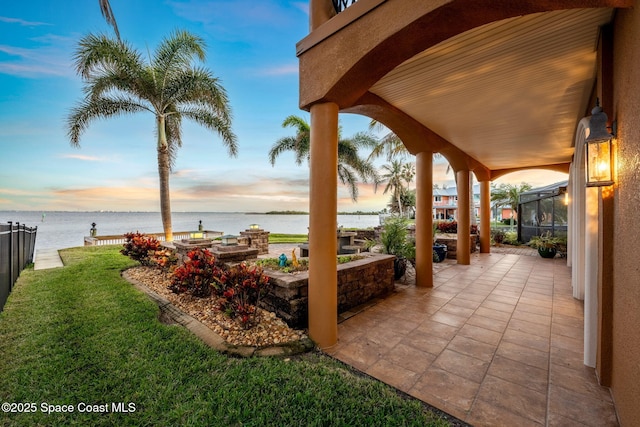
x=307, y=213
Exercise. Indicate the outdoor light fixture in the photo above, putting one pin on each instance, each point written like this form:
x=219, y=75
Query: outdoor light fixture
x=599, y=151
x=229, y=240
x=254, y=226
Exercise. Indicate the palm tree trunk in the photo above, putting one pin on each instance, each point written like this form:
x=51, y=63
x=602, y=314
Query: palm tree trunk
x=163, y=171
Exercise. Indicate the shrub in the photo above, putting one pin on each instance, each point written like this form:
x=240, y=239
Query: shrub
x=507, y=221
x=196, y=274
x=239, y=290
x=165, y=259
x=451, y=227
x=394, y=236
x=497, y=236
x=511, y=238
x=140, y=247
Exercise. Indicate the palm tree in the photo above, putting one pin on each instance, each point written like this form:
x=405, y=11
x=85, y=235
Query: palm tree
x=509, y=195
x=395, y=177
x=350, y=165
x=117, y=81
x=389, y=145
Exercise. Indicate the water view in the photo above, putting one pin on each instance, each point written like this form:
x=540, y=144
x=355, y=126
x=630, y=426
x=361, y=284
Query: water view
x=57, y=230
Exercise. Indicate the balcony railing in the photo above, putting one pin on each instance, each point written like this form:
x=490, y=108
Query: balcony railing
x=340, y=5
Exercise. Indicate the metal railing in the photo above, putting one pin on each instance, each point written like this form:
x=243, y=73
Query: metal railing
x=17, y=244
x=340, y=5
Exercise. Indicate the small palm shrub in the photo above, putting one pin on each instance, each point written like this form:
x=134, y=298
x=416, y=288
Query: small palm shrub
x=140, y=247
x=196, y=274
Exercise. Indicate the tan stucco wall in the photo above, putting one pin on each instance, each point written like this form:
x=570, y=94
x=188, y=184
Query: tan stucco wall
x=626, y=286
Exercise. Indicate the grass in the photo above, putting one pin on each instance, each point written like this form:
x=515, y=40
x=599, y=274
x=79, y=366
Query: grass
x=288, y=238
x=82, y=335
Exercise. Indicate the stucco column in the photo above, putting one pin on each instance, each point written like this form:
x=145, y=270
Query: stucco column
x=323, y=225
x=424, y=219
x=485, y=217
x=464, y=219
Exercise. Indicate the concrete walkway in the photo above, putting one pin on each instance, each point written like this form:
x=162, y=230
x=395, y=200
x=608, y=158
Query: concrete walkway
x=47, y=258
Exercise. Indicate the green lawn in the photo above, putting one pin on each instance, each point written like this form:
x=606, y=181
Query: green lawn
x=288, y=238
x=81, y=335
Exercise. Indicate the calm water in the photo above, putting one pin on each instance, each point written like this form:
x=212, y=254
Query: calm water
x=59, y=230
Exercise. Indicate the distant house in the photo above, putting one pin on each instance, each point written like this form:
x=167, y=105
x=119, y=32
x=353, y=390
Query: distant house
x=445, y=203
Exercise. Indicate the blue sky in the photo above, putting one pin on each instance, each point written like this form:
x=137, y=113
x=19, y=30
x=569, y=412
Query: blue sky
x=250, y=47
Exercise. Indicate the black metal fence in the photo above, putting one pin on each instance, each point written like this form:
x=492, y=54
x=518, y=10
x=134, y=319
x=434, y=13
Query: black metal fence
x=340, y=5
x=17, y=244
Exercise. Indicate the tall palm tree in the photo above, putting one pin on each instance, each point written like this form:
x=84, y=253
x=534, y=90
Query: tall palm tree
x=394, y=175
x=350, y=165
x=117, y=81
x=389, y=145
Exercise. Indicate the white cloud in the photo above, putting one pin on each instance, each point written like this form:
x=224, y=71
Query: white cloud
x=22, y=22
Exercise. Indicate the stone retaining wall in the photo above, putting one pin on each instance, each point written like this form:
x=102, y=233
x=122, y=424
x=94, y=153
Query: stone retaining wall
x=452, y=243
x=358, y=282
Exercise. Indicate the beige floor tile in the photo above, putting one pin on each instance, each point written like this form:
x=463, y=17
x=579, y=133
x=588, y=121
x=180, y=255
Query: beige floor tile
x=449, y=319
x=526, y=339
x=514, y=398
x=453, y=390
x=537, y=329
x=473, y=348
x=437, y=329
x=394, y=375
x=526, y=355
x=462, y=365
x=520, y=373
x=409, y=357
x=577, y=407
x=485, y=414
x=480, y=334
x=497, y=325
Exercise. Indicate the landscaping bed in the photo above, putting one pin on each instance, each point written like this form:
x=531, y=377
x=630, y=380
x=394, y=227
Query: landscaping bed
x=359, y=281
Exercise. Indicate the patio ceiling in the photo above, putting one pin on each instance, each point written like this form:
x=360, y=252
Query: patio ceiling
x=509, y=93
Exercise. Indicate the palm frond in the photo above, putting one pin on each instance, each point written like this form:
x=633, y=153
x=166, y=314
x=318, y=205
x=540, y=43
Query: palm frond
x=212, y=121
x=107, y=13
x=97, y=54
x=98, y=108
x=287, y=143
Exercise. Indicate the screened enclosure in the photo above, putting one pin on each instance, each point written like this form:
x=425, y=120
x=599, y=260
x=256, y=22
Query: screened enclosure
x=543, y=210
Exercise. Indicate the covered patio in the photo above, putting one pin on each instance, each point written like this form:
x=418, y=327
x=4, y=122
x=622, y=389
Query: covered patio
x=494, y=86
x=499, y=342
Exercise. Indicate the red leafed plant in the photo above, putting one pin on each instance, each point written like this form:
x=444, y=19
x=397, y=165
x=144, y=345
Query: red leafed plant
x=140, y=247
x=239, y=289
x=196, y=274
x=452, y=227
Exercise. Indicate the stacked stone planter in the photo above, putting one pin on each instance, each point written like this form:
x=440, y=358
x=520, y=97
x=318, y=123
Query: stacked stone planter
x=257, y=239
x=451, y=240
x=358, y=282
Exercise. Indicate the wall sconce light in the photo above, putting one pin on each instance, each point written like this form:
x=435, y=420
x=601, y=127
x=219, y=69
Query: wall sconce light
x=229, y=240
x=599, y=152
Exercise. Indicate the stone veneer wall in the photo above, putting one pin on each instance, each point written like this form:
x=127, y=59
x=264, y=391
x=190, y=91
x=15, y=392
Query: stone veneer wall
x=258, y=239
x=358, y=282
x=452, y=244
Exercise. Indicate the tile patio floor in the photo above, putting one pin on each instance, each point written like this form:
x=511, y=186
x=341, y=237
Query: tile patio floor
x=496, y=343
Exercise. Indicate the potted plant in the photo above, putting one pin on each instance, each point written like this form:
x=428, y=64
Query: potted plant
x=394, y=242
x=439, y=249
x=546, y=244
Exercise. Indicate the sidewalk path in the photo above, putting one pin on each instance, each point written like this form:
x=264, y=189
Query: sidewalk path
x=47, y=258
